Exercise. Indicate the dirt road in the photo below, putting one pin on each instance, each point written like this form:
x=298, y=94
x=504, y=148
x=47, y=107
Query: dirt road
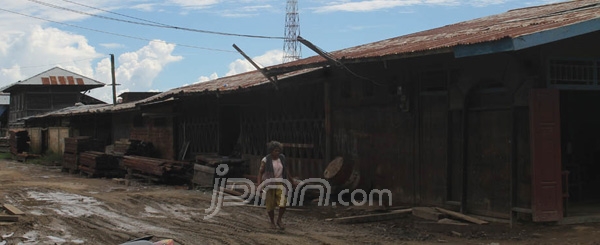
x=62, y=208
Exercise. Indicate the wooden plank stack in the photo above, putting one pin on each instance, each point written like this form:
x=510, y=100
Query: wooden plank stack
x=158, y=169
x=74, y=146
x=121, y=146
x=204, y=176
x=99, y=164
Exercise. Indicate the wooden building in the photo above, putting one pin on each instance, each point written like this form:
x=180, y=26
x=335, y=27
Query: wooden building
x=48, y=91
x=492, y=116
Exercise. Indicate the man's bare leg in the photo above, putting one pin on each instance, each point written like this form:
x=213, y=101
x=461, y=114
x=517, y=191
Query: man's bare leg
x=272, y=218
x=280, y=217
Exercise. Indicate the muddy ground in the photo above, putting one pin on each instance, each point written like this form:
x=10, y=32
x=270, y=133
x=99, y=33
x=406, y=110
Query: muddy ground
x=62, y=208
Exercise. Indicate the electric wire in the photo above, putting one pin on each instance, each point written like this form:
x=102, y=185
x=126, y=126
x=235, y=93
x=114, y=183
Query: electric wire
x=154, y=24
x=117, y=34
x=115, y=13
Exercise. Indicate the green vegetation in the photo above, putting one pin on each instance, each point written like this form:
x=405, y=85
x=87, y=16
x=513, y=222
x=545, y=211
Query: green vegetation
x=5, y=156
x=49, y=159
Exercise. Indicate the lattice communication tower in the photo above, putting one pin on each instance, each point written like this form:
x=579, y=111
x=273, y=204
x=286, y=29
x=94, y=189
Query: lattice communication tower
x=291, y=47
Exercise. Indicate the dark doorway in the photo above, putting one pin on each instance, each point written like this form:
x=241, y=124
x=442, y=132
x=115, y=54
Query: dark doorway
x=580, y=141
x=229, y=130
x=44, y=140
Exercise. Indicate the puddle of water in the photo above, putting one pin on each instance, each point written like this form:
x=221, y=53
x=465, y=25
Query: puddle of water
x=74, y=205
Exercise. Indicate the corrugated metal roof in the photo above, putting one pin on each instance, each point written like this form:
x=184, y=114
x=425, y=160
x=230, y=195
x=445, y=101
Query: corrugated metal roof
x=225, y=84
x=512, y=24
x=59, y=77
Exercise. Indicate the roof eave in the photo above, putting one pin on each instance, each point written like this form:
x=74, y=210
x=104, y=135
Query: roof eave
x=527, y=41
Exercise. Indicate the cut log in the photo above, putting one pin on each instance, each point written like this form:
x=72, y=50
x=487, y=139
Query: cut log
x=13, y=210
x=374, y=217
x=427, y=213
x=9, y=218
x=462, y=216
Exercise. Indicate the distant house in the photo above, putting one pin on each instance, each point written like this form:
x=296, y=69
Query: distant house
x=48, y=91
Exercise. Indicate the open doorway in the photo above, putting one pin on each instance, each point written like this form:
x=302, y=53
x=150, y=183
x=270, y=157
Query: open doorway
x=580, y=142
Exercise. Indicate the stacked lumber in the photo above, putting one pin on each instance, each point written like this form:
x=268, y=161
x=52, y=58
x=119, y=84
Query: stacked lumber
x=134, y=147
x=82, y=143
x=204, y=176
x=73, y=147
x=95, y=163
x=18, y=141
x=158, y=169
x=121, y=146
x=70, y=162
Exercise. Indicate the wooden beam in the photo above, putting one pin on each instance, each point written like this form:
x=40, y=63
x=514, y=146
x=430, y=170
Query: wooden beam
x=462, y=216
x=374, y=217
x=427, y=213
x=262, y=70
x=9, y=218
x=13, y=210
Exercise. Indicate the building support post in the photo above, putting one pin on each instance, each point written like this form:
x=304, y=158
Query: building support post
x=327, y=110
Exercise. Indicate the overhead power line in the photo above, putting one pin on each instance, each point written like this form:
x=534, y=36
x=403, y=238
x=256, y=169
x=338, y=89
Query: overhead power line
x=115, y=13
x=117, y=34
x=155, y=24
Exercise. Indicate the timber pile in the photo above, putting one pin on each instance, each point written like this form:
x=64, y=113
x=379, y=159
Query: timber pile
x=18, y=141
x=95, y=163
x=121, y=146
x=80, y=144
x=70, y=162
x=158, y=169
x=73, y=147
x=134, y=147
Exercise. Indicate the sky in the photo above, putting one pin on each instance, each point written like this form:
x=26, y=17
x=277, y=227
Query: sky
x=161, y=45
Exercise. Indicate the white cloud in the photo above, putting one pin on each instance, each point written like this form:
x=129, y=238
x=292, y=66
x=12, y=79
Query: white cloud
x=375, y=5
x=195, y=4
x=135, y=71
x=272, y=57
x=112, y=45
x=144, y=7
x=365, y=6
x=32, y=50
x=202, y=79
x=245, y=11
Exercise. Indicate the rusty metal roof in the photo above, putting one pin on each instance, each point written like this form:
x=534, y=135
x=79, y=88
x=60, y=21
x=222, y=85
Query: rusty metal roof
x=225, y=84
x=536, y=23
x=57, y=77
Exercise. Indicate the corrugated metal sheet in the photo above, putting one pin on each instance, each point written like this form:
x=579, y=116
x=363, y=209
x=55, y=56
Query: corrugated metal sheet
x=225, y=84
x=57, y=76
x=512, y=24
x=231, y=83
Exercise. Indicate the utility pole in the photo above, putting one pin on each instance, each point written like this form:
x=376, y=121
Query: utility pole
x=291, y=49
x=114, y=85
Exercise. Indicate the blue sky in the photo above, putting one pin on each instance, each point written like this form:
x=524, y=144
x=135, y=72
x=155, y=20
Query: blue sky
x=36, y=35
